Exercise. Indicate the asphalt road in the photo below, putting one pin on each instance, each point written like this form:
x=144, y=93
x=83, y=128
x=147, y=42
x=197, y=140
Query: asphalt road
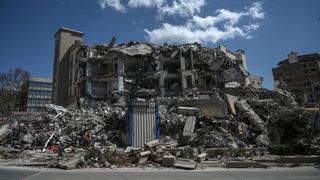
x=298, y=173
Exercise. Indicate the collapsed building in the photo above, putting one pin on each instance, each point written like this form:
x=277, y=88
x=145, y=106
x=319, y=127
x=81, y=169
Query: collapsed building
x=138, y=69
x=135, y=75
x=140, y=103
x=119, y=74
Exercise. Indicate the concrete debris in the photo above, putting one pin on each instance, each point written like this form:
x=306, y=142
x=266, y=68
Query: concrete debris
x=201, y=157
x=71, y=163
x=246, y=112
x=4, y=131
x=152, y=144
x=185, y=164
x=168, y=161
x=136, y=49
x=57, y=109
x=189, y=126
x=191, y=111
x=143, y=156
x=230, y=100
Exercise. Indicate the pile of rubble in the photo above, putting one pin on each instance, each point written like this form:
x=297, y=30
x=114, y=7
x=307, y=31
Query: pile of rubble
x=255, y=118
x=90, y=136
x=65, y=132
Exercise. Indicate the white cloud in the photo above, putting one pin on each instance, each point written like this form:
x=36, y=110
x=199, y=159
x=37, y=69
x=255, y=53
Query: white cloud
x=255, y=10
x=251, y=27
x=145, y=3
x=181, y=34
x=204, y=22
x=181, y=7
x=116, y=4
x=205, y=29
x=225, y=24
x=229, y=16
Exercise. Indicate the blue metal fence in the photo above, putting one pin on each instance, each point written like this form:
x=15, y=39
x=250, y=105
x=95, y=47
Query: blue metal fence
x=144, y=123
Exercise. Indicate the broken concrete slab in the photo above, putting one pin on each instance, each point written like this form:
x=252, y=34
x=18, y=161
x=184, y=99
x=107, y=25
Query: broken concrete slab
x=213, y=107
x=136, y=49
x=185, y=164
x=168, y=160
x=144, y=153
x=247, y=112
x=190, y=111
x=56, y=108
x=189, y=126
x=152, y=144
x=143, y=156
x=230, y=99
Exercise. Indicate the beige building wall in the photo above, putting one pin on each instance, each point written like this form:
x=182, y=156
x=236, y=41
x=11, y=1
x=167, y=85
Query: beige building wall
x=64, y=39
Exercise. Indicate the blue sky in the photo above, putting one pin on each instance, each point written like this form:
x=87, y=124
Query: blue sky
x=267, y=29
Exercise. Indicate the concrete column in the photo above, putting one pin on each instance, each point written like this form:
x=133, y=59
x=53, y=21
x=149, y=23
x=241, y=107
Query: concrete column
x=182, y=61
x=163, y=75
x=88, y=79
x=183, y=68
x=120, y=75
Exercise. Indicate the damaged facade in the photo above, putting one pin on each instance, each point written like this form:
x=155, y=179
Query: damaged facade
x=120, y=72
x=240, y=57
x=299, y=74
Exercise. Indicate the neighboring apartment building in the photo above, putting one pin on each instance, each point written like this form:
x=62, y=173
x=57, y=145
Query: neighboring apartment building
x=299, y=74
x=37, y=93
